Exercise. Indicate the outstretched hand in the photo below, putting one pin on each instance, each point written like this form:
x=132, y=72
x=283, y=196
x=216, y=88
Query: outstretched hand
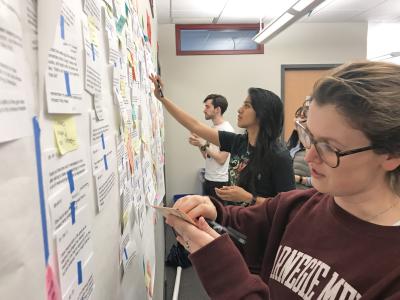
x=157, y=86
x=233, y=193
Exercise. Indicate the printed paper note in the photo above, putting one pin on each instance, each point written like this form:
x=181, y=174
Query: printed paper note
x=83, y=284
x=15, y=121
x=74, y=246
x=67, y=202
x=60, y=170
x=92, y=59
x=63, y=76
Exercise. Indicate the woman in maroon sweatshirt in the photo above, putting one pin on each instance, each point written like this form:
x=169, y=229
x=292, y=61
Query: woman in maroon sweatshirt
x=340, y=240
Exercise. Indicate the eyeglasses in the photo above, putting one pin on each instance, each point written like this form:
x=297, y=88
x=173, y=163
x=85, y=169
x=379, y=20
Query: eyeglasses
x=326, y=152
x=301, y=112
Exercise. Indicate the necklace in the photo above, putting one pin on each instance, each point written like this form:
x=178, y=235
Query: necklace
x=382, y=212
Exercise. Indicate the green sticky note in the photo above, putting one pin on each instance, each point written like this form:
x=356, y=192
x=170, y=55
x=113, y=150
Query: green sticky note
x=120, y=24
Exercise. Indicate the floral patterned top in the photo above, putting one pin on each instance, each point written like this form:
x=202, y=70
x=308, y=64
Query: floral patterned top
x=236, y=164
x=276, y=175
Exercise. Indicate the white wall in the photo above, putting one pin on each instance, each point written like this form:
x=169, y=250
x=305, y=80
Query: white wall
x=383, y=38
x=189, y=79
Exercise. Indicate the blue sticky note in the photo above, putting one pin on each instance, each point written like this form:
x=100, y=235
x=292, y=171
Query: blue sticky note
x=79, y=265
x=103, y=143
x=72, y=208
x=62, y=31
x=105, y=162
x=93, y=52
x=67, y=86
x=126, y=254
x=71, y=181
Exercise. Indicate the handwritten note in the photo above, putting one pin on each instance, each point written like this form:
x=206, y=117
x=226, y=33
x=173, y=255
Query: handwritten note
x=65, y=133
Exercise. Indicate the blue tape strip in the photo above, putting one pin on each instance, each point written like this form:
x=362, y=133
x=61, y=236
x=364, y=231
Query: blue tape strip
x=67, y=86
x=105, y=162
x=93, y=52
x=79, y=272
x=126, y=254
x=62, y=31
x=72, y=208
x=36, y=131
x=71, y=181
x=102, y=141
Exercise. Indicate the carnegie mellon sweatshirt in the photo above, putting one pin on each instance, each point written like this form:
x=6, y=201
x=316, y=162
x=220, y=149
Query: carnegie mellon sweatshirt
x=300, y=245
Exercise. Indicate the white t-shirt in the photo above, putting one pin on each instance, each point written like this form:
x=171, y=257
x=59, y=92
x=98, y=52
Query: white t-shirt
x=214, y=171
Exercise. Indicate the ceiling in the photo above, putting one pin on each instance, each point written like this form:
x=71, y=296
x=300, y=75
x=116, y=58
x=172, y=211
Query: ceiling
x=250, y=11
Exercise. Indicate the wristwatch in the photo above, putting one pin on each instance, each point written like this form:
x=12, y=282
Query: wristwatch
x=204, y=147
x=253, y=201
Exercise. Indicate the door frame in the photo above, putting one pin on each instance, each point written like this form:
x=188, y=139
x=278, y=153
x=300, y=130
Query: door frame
x=301, y=67
x=285, y=67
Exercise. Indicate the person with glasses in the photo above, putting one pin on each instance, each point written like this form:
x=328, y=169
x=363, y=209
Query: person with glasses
x=338, y=240
x=302, y=175
x=260, y=165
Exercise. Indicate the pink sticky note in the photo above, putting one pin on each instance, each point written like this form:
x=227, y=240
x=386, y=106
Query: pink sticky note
x=52, y=288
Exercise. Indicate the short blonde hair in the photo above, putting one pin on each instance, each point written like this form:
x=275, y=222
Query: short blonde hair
x=368, y=95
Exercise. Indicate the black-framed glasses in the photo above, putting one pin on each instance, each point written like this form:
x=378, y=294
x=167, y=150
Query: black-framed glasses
x=326, y=152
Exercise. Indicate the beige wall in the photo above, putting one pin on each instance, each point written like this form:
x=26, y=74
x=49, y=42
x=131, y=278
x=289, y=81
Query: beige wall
x=189, y=79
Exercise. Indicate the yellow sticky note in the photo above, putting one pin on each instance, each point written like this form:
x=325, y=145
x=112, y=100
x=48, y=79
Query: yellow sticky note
x=122, y=87
x=93, y=32
x=65, y=133
x=130, y=58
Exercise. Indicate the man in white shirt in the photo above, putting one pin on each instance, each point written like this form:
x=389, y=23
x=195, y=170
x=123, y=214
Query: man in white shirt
x=217, y=162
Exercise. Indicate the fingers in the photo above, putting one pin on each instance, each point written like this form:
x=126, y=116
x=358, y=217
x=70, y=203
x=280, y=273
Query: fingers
x=222, y=192
x=196, y=206
x=227, y=193
x=157, y=85
x=154, y=78
x=202, y=224
x=198, y=211
x=180, y=226
x=187, y=203
x=193, y=141
x=191, y=237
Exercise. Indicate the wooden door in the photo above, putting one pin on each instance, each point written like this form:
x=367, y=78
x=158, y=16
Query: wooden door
x=297, y=85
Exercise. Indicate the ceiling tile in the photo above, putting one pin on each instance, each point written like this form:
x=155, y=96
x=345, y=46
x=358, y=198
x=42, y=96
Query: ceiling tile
x=211, y=7
x=249, y=11
x=255, y=8
x=192, y=20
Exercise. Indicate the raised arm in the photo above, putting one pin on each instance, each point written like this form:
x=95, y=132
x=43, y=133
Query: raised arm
x=188, y=121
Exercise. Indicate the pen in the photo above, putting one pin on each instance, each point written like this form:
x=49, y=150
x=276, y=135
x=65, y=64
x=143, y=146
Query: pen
x=236, y=235
x=159, y=87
